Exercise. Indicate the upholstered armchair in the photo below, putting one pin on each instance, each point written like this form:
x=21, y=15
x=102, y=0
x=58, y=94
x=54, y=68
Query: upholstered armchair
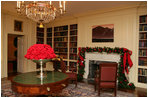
x=107, y=77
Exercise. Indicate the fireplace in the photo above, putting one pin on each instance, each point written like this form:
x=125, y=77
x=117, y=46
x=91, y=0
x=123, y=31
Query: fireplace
x=93, y=67
x=96, y=59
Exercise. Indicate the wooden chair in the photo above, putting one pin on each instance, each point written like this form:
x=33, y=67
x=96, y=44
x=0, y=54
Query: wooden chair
x=56, y=63
x=96, y=80
x=72, y=71
x=107, y=77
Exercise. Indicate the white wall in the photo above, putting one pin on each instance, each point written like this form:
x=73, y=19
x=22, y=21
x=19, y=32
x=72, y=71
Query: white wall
x=7, y=27
x=27, y=39
x=2, y=59
x=125, y=31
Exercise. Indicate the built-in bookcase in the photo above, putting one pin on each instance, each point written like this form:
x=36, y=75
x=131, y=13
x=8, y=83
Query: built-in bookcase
x=73, y=45
x=142, y=59
x=73, y=42
x=63, y=40
x=40, y=36
x=49, y=36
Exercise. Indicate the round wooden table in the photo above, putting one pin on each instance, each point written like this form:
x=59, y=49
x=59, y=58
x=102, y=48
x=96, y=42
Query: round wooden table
x=30, y=84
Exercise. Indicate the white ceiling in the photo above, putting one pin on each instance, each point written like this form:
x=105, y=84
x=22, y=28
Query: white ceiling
x=77, y=7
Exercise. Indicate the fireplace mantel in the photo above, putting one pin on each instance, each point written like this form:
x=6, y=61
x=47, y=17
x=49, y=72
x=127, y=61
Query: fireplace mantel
x=112, y=57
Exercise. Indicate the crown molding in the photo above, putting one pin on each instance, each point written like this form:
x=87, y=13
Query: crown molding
x=11, y=13
x=15, y=15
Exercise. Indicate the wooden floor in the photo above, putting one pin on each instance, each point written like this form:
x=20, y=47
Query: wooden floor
x=139, y=92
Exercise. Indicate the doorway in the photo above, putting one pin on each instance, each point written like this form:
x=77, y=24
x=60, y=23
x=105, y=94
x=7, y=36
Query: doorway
x=13, y=54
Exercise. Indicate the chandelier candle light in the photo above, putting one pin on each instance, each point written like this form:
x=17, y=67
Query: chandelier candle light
x=40, y=11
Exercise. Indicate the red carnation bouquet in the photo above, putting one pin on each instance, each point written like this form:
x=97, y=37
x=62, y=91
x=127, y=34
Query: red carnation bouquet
x=40, y=51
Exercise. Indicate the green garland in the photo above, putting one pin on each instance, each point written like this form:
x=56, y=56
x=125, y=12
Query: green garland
x=124, y=57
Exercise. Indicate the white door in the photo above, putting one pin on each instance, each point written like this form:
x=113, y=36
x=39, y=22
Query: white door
x=20, y=55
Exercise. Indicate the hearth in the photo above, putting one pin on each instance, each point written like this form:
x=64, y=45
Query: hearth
x=93, y=67
x=96, y=58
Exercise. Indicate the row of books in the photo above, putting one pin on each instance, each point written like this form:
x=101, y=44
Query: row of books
x=73, y=56
x=73, y=50
x=74, y=26
x=49, y=29
x=60, y=28
x=61, y=50
x=142, y=52
x=49, y=39
x=71, y=64
x=49, y=43
x=73, y=38
x=143, y=36
x=56, y=50
x=142, y=61
x=60, y=45
x=143, y=27
x=73, y=32
x=142, y=79
x=61, y=39
x=63, y=55
x=142, y=71
x=143, y=19
x=61, y=33
x=143, y=44
x=73, y=44
x=40, y=29
x=40, y=42
x=40, y=39
x=40, y=34
x=49, y=34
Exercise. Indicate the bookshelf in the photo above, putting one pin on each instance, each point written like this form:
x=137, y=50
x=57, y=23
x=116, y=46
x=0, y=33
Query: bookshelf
x=40, y=36
x=142, y=59
x=63, y=40
x=73, y=45
x=49, y=36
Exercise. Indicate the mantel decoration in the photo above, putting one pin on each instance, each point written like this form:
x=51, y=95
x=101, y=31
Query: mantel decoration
x=40, y=54
x=41, y=11
x=124, y=65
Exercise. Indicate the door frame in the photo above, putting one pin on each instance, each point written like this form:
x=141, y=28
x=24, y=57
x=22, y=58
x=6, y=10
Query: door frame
x=20, y=49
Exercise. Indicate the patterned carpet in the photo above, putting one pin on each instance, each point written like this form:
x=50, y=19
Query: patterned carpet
x=82, y=90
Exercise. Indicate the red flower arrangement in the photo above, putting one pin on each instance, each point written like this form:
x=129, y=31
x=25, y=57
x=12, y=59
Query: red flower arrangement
x=40, y=51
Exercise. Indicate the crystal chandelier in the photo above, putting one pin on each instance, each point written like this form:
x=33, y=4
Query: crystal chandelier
x=40, y=11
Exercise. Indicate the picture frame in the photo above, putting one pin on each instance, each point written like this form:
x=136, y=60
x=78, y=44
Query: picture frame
x=18, y=26
x=103, y=33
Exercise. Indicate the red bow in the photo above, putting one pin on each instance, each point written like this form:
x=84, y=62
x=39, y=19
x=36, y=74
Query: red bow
x=126, y=57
